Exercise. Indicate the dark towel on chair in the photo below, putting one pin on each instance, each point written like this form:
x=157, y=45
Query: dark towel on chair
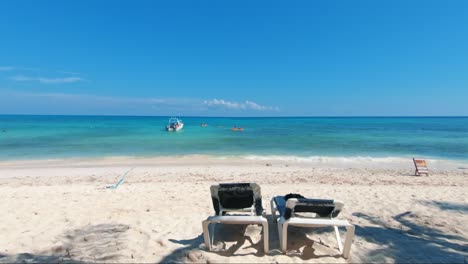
x=293, y=195
x=237, y=196
x=321, y=207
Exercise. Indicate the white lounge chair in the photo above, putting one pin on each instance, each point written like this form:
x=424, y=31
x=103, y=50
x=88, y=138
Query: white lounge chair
x=325, y=211
x=242, y=198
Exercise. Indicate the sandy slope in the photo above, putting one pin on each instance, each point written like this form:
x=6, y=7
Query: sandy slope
x=60, y=210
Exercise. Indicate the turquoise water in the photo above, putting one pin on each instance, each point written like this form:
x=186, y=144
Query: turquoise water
x=24, y=137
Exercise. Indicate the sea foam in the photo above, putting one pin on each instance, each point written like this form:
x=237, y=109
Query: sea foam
x=357, y=161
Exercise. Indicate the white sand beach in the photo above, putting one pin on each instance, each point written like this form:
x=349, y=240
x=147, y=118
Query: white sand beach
x=60, y=210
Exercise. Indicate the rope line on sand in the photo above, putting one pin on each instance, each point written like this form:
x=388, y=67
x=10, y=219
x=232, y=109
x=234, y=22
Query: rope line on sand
x=120, y=181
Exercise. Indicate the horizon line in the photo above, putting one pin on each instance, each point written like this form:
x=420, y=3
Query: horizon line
x=291, y=116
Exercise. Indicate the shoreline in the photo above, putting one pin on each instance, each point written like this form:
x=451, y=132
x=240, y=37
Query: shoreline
x=202, y=159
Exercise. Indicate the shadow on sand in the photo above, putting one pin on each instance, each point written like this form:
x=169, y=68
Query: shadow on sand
x=31, y=258
x=460, y=207
x=240, y=238
x=94, y=243
x=224, y=235
x=411, y=242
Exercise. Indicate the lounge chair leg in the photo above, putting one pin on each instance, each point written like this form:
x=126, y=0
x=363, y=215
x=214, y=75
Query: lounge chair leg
x=280, y=234
x=212, y=232
x=206, y=234
x=338, y=239
x=265, y=237
x=349, y=241
x=273, y=210
x=284, y=238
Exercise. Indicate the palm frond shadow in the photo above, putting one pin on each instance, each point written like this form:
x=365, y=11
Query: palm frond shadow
x=406, y=243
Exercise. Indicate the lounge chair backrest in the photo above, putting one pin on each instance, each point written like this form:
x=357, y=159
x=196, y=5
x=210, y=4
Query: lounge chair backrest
x=421, y=167
x=236, y=196
x=321, y=207
x=419, y=163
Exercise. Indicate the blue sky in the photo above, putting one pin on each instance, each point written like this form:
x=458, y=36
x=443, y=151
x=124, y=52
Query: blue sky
x=234, y=58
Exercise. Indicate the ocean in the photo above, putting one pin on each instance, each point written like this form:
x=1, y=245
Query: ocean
x=44, y=137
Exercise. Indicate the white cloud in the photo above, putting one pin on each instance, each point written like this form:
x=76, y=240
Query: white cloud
x=37, y=71
x=13, y=101
x=12, y=68
x=239, y=105
x=21, y=78
x=221, y=102
x=104, y=100
x=60, y=80
x=258, y=107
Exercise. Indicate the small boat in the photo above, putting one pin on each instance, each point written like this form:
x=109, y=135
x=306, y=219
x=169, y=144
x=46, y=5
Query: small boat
x=237, y=129
x=204, y=125
x=174, y=124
